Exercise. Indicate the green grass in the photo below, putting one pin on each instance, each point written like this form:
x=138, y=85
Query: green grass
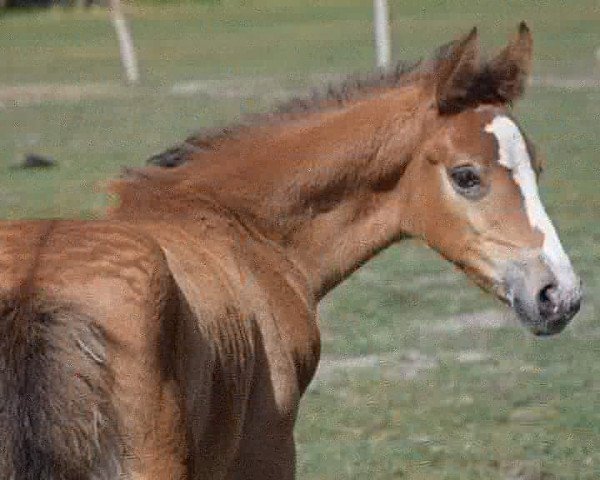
x=522, y=399
x=279, y=36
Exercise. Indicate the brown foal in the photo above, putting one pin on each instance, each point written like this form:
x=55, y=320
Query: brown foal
x=174, y=339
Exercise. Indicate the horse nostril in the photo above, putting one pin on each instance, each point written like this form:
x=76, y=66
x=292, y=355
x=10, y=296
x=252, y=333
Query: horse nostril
x=547, y=301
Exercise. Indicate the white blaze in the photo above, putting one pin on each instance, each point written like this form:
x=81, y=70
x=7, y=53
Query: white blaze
x=513, y=154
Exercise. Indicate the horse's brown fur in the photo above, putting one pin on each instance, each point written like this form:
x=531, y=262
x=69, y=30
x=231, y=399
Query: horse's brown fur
x=206, y=277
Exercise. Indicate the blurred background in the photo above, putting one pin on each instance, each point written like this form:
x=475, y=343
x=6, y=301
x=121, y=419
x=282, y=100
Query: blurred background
x=423, y=376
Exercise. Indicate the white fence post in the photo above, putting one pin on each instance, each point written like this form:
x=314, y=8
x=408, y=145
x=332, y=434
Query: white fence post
x=381, y=27
x=128, y=57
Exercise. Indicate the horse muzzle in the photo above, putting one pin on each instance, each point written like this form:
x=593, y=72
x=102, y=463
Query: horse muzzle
x=544, y=298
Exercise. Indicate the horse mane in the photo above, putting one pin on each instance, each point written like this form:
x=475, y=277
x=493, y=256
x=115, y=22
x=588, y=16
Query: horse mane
x=334, y=95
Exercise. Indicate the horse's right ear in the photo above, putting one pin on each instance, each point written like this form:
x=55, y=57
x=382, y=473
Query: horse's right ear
x=456, y=70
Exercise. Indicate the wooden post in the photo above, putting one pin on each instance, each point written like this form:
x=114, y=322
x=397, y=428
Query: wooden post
x=381, y=28
x=128, y=57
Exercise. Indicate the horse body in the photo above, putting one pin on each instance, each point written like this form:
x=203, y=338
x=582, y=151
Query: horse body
x=192, y=307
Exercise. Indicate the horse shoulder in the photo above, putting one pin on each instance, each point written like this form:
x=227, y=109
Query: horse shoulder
x=222, y=269
x=285, y=310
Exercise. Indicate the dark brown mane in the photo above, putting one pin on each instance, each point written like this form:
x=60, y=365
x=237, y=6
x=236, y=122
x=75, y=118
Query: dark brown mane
x=352, y=88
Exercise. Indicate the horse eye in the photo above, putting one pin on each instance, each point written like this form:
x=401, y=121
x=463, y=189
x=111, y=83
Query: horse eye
x=466, y=179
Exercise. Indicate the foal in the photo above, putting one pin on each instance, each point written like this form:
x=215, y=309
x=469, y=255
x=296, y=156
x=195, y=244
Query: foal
x=174, y=339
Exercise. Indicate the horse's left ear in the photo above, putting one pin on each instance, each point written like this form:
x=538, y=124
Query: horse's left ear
x=457, y=67
x=510, y=69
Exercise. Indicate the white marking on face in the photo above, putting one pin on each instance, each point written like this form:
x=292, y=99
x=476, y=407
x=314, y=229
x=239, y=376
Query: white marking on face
x=513, y=155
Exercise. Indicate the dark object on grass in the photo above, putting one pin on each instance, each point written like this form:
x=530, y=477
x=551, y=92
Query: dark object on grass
x=34, y=160
x=30, y=4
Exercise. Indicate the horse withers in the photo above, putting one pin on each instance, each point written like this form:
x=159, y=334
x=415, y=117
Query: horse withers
x=174, y=339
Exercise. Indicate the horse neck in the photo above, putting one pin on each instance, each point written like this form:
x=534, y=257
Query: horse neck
x=326, y=188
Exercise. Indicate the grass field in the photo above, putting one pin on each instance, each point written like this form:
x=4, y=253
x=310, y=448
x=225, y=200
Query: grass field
x=424, y=376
